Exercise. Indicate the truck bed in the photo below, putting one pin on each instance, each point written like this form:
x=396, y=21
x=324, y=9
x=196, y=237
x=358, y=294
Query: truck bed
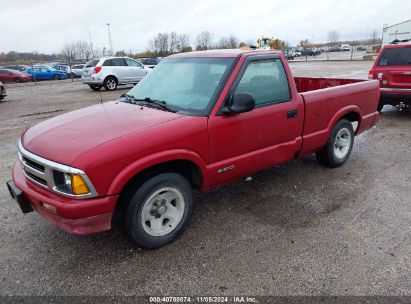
x=327, y=99
x=305, y=84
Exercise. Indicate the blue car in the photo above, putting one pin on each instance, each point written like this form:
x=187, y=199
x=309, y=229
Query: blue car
x=46, y=73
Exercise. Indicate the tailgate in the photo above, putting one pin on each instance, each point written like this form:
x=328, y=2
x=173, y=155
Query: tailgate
x=399, y=79
x=393, y=68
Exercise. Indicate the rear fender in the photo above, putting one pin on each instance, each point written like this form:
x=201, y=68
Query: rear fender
x=315, y=141
x=340, y=114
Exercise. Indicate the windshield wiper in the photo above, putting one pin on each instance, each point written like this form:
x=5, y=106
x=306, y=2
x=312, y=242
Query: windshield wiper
x=128, y=98
x=158, y=103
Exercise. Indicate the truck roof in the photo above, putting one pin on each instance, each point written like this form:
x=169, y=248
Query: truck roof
x=221, y=53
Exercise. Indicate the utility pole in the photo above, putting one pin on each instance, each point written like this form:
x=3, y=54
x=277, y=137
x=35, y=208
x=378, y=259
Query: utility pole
x=91, y=45
x=109, y=38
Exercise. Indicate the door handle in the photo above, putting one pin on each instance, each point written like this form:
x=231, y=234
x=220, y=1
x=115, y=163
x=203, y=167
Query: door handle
x=292, y=114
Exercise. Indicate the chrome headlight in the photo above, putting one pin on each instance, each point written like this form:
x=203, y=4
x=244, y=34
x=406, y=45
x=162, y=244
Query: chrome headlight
x=65, y=180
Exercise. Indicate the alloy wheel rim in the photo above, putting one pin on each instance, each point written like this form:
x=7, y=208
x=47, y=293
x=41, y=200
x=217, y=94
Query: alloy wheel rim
x=111, y=84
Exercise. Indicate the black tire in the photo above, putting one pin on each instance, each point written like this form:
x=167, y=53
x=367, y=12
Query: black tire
x=329, y=156
x=17, y=80
x=131, y=220
x=56, y=77
x=110, y=83
x=95, y=87
x=379, y=107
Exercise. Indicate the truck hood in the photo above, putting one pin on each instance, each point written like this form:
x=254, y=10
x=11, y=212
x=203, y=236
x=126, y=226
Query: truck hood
x=63, y=138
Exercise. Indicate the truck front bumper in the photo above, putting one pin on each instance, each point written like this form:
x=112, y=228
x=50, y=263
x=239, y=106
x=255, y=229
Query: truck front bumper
x=75, y=216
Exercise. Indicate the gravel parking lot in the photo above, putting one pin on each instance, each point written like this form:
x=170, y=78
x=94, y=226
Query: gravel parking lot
x=297, y=229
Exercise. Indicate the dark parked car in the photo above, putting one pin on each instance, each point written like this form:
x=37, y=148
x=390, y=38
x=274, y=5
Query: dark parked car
x=64, y=68
x=17, y=67
x=3, y=92
x=8, y=75
x=150, y=62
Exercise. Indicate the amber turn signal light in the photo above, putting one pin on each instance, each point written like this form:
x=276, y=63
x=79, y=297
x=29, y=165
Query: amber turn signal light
x=78, y=185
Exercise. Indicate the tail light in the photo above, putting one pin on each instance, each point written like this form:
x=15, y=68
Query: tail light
x=97, y=69
x=371, y=74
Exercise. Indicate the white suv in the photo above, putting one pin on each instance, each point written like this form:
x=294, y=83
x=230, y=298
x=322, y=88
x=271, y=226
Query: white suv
x=111, y=72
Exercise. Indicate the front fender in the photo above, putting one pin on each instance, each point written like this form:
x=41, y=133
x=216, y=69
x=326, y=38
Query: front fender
x=151, y=160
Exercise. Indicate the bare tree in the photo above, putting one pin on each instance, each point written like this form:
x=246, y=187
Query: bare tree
x=69, y=53
x=333, y=37
x=233, y=42
x=277, y=44
x=172, y=42
x=230, y=42
x=305, y=43
x=183, y=44
x=83, y=50
x=374, y=37
x=159, y=45
x=223, y=43
x=204, y=41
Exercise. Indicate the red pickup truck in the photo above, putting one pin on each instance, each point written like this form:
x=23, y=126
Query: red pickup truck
x=198, y=121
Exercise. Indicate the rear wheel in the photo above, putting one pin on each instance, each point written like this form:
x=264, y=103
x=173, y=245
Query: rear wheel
x=159, y=211
x=379, y=107
x=95, y=87
x=110, y=83
x=339, y=145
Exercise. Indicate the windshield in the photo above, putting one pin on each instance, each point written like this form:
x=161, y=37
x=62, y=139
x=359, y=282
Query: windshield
x=395, y=56
x=189, y=85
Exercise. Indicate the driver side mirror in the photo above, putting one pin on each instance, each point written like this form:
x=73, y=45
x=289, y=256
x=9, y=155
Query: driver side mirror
x=241, y=103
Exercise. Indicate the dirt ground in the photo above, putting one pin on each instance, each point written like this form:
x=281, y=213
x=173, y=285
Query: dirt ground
x=297, y=229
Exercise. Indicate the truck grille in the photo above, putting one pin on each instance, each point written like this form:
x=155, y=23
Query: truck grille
x=35, y=171
x=33, y=164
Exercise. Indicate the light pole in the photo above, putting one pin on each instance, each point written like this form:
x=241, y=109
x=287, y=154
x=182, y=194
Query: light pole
x=109, y=38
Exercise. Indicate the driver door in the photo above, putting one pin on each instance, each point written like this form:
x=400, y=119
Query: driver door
x=270, y=134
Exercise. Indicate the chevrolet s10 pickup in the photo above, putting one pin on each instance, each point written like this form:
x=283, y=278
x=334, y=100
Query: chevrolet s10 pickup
x=198, y=121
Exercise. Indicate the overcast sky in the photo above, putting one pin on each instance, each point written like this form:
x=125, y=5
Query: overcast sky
x=46, y=25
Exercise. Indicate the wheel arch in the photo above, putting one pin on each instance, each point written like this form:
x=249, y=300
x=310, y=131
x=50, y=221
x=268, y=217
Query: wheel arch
x=350, y=113
x=112, y=76
x=185, y=162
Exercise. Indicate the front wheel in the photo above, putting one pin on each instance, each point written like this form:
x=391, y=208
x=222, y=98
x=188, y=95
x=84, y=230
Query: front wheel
x=55, y=77
x=159, y=211
x=339, y=145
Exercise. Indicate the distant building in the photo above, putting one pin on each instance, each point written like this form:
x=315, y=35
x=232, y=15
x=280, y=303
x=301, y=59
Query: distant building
x=400, y=31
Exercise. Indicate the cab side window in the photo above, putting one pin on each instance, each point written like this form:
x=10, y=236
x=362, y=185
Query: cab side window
x=266, y=81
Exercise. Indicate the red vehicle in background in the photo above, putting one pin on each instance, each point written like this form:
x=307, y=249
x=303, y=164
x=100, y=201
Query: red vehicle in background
x=9, y=75
x=393, y=69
